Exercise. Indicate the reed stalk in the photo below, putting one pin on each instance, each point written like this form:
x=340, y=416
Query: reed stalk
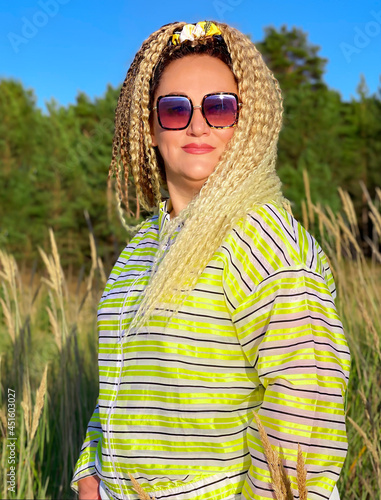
x=57, y=328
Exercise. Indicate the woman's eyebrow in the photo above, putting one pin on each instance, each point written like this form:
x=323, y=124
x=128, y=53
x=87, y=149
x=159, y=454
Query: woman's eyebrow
x=181, y=92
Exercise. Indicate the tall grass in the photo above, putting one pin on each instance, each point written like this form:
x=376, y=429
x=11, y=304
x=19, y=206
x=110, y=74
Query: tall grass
x=358, y=282
x=40, y=341
x=48, y=355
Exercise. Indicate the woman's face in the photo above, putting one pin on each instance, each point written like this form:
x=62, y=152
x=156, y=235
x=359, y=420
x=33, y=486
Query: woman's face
x=193, y=76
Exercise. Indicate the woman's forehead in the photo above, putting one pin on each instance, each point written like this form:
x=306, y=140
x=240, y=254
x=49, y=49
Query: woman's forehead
x=197, y=73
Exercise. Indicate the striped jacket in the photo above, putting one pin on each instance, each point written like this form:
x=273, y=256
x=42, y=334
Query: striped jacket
x=259, y=333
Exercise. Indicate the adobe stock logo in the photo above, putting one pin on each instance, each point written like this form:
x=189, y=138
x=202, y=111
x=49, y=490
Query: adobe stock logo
x=30, y=27
x=223, y=6
x=362, y=38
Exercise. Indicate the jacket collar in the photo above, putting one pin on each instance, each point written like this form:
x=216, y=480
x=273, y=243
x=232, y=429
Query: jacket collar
x=165, y=207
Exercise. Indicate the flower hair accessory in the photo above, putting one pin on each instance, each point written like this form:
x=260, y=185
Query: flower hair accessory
x=194, y=32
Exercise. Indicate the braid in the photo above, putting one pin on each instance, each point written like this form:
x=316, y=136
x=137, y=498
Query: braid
x=132, y=146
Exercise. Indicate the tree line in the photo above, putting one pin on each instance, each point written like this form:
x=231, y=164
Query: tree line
x=53, y=167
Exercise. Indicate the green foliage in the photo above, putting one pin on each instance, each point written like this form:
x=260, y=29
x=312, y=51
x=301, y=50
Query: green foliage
x=293, y=60
x=54, y=167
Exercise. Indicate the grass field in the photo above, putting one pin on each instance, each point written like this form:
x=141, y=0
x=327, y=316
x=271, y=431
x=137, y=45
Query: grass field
x=48, y=359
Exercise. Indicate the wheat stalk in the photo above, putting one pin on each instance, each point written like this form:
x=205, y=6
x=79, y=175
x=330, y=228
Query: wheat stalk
x=337, y=232
x=349, y=211
x=373, y=208
x=301, y=475
x=40, y=398
x=280, y=482
x=287, y=206
x=31, y=422
x=52, y=283
x=371, y=448
x=143, y=495
x=9, y=275
x=371, y=327
x=324, y=220
x=376, y=223
x=349, y=235
x=56, y=282
x=8, y=320
x=26, y=404
x=368, y=443
x=10, y=269
x=96, y=262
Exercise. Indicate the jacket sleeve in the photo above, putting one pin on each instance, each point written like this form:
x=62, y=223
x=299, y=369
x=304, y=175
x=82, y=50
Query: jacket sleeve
x=85, y=465
x=292, y=336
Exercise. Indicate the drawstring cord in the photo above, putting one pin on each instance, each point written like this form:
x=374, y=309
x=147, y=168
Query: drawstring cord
x=143, y=495
x=113, y=404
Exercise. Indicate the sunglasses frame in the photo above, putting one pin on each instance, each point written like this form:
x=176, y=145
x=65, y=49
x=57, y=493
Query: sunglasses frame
x=239, y=104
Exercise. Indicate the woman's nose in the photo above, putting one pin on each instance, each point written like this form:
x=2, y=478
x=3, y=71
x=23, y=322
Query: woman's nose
x=198, y=125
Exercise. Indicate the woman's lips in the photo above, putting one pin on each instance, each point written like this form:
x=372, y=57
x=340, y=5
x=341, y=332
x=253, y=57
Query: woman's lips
x=198, y=149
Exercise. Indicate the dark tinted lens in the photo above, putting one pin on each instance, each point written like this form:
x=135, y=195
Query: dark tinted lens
x=174, y=112
x=221, y=110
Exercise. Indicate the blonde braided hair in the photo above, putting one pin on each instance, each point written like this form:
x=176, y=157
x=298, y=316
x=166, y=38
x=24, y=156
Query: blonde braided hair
x=244, y=177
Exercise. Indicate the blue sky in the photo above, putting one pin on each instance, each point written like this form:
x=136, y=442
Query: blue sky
x=61, y=47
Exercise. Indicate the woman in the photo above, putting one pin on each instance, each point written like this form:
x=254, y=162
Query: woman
x=220, y=305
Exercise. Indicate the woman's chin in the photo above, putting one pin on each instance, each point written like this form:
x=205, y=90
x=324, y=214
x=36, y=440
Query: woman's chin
x=197, y=173
x=196, y=180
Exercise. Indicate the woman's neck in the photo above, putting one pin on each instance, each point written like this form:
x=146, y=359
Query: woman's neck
x=178, y=200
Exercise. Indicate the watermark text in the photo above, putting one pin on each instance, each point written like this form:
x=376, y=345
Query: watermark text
x=362, y=37
x=11, y=440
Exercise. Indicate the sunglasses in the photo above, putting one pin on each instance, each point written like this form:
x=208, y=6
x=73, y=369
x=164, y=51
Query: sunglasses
x=220, y=110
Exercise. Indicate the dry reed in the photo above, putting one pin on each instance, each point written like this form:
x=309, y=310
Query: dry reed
x=359, y=304
x=371, y=448
x=143, y=495
x=301, y=475
x=26, y=405
x=31, y=419
x=280, y=482
x=40, y=398
x=10, y=283
x=8, y=316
